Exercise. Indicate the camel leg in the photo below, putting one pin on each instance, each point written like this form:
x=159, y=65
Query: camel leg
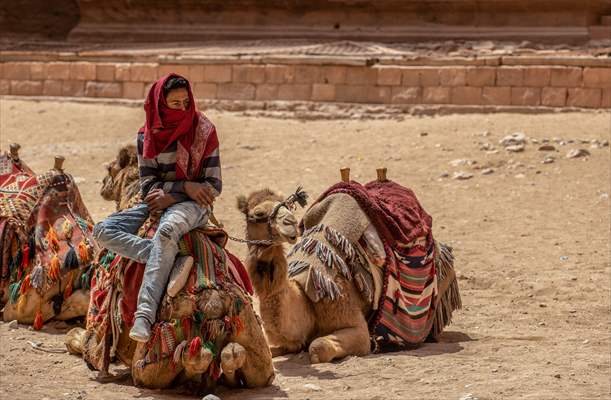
x=257, y=368
x=343, y=342
x=233, y=358
x=157, y=375
x=74, y=340
x=197, y=364
x=74, y=306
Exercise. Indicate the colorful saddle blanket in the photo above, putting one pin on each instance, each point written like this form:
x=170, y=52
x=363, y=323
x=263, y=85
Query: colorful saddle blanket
x=114, y=294
x=45, y=235
x=407, y=308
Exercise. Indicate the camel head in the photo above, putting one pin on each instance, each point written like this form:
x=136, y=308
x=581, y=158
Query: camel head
x=121, y=183
x=269, y=216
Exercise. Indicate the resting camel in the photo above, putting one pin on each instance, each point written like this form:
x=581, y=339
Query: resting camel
x=46, y=244
x=242, y=353
x=328, y=328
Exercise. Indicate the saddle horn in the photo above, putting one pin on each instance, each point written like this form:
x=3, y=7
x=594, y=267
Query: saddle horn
x=14, y=151
x=59, y=163
x=345, y=174
x=381, y=174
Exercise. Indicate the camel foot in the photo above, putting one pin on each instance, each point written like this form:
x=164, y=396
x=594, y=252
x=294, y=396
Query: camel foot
x=321, y=351
x=74, y=340
x=197, y=364
x=233, y=358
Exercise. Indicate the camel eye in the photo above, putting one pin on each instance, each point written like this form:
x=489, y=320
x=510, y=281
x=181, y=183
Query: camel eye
x=259, y=214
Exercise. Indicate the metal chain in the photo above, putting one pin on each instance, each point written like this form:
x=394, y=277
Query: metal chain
x=265, y=242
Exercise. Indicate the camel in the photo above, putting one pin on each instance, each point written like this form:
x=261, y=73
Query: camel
x=121, y=184
x=328, y=329
x=45, y=243
x=239, y=358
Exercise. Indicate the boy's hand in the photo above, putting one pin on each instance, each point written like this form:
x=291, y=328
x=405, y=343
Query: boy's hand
x=199, y=193
x=158, y=200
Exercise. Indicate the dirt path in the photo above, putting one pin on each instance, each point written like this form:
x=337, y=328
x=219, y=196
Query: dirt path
x=532, y=242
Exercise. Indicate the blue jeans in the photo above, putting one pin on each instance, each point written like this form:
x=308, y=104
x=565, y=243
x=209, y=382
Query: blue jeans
x=118, y=234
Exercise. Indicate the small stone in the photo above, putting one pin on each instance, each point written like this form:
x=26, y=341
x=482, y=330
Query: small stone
x=486, y=133
x=564, y=258
x=486, y=146
x=542, y=305
x=424, y=134
x=586, y=341
x=520, y=176
x=462, y=162
x=488, y=171
x=557, y=376
x=444, y=175
x=533, y=140
x=548, y=160
x=513, y=139
x=576, y=153
x=547, y=147
x=541, y=323
x=211, y=397
x=462, y=175
x=14, y=324
x=517, y=148
x=312, y=387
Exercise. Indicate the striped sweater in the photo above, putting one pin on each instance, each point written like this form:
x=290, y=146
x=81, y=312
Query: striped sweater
x=160, y=172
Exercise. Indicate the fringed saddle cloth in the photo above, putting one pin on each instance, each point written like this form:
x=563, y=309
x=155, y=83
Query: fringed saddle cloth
x=182, y=324
x=379, y=237
x=45, y=236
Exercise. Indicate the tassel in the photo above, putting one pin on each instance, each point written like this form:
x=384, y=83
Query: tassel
x=83, y=252
x=178, y=351
x=186, y=327
x=86, y=279
x=52, y=239
x=68, y=289
x=25, y=285
x=38, y=321
x=25, y=256
x=21, y=303
x=32, y=247
x=68, y=229
x=195, y=346
x=70, y=261
x=54, y=268
x=37, y=275
x=13, y=291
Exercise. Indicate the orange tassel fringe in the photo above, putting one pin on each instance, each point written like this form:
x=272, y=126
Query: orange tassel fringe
x=38, y=321
x=55, y=266
x=195, y=346
x=52, y=239
x=83, y=252
x=25, y=285
x=68, y=289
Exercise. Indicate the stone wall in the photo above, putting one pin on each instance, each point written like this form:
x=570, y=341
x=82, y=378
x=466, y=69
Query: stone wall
x=586, y=86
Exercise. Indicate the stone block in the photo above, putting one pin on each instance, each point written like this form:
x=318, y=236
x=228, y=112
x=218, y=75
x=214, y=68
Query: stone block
x=301, y=91
x=481, y=76
x=58, y=70
x=362, y=94
x=5, y=87
x=496, y=95
x=26, y=88
x=323, y=92
x=103, y=89
x=582, y=97
x=466, y=95
x=406, y=95
x=525, y=96
x=133, y=90
x=509, y=76
x=73, y=88
x=236, y=91
x=332, y=74
x=248, y=73
x=105, y=72
x=390, y=76
x=597, y=78
x=266, y=91
x=307, y=74
x=217, y=73
x=179, y=69
x=412, y=77
x=38, y=71
x=606, y=98
x=52, y=88
x=537, y=76
x=82, y=71
x=122, y=72
x=18, y=71
x=436, y=95
x=553, y=97
x=361, y=76
x=204, y=90
x=143, y=72
x=452, y=76
x=566, y=77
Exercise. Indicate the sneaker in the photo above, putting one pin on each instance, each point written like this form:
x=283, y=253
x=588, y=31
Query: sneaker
x=179, y=275
x=141, y=331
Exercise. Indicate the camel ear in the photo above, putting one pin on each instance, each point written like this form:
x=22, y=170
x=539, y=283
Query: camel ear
x=242, y=204
x=123, y=158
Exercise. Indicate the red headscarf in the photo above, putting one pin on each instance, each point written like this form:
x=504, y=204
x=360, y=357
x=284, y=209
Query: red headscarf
x=164, y=125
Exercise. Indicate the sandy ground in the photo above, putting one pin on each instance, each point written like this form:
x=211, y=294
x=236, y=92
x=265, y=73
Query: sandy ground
x=532, y=242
